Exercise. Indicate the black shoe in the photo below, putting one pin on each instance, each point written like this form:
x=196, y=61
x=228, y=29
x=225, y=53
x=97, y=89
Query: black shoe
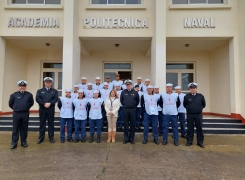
x=164, y=142
x=24, y=145
x=52, y=140
x=132, y=142
x=62, y=141
x=144, y=141
x=156, y=141
x=91, y=139
x=39, y=141
x=76, y=140
x=120, y=127
x=184, y=136
x=188, y=144
x=13, y=146
x=125, y=142
x=70, y=140
x=159, y=134
x=201, y=145
x=176, y=143
x=98, y=138
x=83, y=140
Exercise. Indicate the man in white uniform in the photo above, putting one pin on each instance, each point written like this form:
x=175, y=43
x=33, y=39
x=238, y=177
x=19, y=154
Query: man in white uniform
x=74, y=94
x=181, y=111
x=139, y=108
x=139, y=83
x=97, y=86
x=149, y=103
x=117, y=80
x=169, y=101
x=144, y=87
x=83, y=85
x=108, y=80
x=160, y=114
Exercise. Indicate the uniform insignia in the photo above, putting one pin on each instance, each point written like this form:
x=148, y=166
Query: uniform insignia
x=42, y=92
x=132, y=94
x=48, y=79
x=22, y=83
x=189, y=99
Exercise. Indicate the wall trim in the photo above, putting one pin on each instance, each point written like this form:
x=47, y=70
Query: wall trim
x=198, y=7
x=232, y=115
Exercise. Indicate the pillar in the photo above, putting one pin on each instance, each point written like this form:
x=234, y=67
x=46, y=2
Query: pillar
x=2, y=61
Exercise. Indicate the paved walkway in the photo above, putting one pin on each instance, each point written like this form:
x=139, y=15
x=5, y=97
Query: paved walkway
x=223, y=158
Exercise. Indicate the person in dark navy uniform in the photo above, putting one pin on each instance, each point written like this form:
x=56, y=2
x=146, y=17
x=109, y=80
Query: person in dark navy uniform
x=194, y=103
x=46, y=98
x=21, y=102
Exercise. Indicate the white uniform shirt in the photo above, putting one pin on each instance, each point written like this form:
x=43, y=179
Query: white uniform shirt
x=74, y=95
x=80, y=109
x=140, y=94
x=95, y=110
x=97, y=87
x=158, y=107
x=114, y=82
x=140, y=85
x=83, y=86
x=151, y=103
x=181, y=108
x=105, y=94
x=66, y=110
x=89, y=94
x=119, y=94
x=169, y=103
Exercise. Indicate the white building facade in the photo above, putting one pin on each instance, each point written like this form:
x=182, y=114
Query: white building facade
x=177, y=41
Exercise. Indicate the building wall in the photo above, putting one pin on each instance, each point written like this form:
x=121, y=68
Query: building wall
x=201, y=60
x=15, y=69
x=92, y=66
x=219, y=80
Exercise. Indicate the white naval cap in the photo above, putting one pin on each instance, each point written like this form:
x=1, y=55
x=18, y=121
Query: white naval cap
x=105, y=84
x=139, y=78
x=97, y=78
x=80, y=91
x=177, y=87
x=128, y=81
x=168, y=84
x=22, y=83
x=84, y=78
x=68, y=90
x=48, y=79
x=75, y=86
x=150, y=86
x=96, y=91
x=155, y=87
x=147, y=80
x=193, y=85
x=117, y=84
x=89, y=84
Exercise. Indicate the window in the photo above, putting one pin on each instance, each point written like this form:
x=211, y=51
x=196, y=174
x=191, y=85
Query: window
x=33, y=2
x=115, y=2
x=198, y=1
x=117, y=66
x=180, y=74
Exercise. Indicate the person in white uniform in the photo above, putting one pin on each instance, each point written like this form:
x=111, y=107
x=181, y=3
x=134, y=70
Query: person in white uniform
x=169, y=102
x=66, y=115
x=97, y=86
x=80, y=116
x=139, y=83
x=149, y=103
x=117, y=80
x=83, y=84
x=160, y=114
x=95, y=116
x=139, y=109
x=110, y=84
x=74, y=94
x=89, y=94
x=144, y=87
x=181, y=111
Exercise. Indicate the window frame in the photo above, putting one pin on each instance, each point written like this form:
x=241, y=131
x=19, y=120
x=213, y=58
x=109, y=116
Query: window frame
x=11, y=3
x=90, y=2
x=224, y=2
x=180, y=71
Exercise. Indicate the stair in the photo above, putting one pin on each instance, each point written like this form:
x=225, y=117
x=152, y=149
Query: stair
x=210, y=126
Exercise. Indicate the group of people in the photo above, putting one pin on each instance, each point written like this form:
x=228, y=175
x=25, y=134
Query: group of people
x=117, y=102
